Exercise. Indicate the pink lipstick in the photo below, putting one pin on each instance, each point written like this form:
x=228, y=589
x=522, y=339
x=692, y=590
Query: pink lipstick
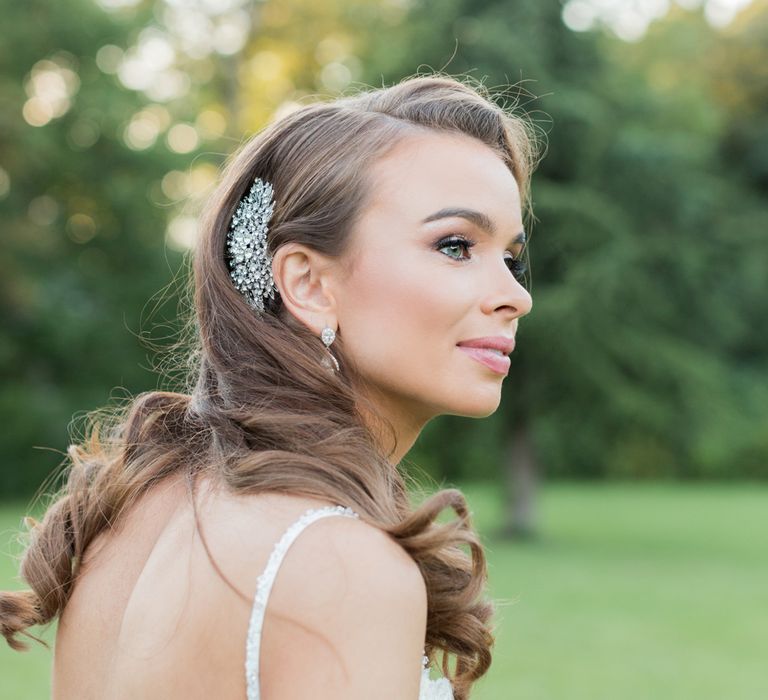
x=491, y=351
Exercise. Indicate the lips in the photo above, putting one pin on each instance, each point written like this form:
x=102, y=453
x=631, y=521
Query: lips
x=490, y=351
x=496, y=342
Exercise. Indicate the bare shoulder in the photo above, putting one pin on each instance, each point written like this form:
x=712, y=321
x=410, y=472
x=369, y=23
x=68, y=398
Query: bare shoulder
x=351, y=561
x=348, y=615
x=246, y=528
x=243, y=529
x=347, y=610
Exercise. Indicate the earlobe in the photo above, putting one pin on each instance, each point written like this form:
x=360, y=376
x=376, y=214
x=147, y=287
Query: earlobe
x=302, y=277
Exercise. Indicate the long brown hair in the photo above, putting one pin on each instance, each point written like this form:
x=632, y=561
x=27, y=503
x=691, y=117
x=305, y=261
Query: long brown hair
x=259, y=409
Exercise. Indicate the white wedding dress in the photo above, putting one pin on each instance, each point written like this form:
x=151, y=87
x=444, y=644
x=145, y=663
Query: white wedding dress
x=438, y=689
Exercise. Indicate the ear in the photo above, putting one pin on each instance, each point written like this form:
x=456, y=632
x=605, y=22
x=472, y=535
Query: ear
x=304, y=279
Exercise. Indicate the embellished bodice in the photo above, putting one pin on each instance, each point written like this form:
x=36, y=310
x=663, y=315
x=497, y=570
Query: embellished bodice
x=438, y=689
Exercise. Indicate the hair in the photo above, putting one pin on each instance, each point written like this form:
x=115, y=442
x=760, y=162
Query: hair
x=260, y=410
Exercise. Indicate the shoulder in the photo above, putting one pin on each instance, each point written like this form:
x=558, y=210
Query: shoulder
x=350, y=606
x=245, y=528
x=343, y=554
x=347, y=610
x=351, y=561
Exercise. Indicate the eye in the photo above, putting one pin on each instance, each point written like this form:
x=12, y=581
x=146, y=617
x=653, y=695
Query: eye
x=516, y=266
x=455, y=242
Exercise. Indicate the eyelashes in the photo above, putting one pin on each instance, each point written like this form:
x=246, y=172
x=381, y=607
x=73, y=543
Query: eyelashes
x=516, y=266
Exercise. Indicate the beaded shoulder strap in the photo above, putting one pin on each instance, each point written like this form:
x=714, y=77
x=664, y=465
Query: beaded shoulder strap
x=264, y=586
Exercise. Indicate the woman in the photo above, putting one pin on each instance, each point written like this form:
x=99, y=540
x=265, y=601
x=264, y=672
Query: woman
x=358, y=273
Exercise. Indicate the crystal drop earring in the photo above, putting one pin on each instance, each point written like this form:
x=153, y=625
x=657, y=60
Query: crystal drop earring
x=328, y=335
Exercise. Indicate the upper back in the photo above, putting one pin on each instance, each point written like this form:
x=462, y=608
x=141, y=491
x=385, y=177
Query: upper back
x=151, y=617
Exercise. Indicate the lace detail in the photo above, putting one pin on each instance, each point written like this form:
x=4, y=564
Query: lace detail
x=429, y=689
x=437, y=689
x=264, y=586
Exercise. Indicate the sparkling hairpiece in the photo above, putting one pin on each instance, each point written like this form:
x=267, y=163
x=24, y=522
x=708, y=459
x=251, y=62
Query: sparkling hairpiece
x=249, y=262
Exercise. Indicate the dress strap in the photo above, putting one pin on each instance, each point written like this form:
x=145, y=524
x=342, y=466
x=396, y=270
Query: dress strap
x=264, y=586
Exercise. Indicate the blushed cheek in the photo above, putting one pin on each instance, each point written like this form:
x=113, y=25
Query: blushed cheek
x=399, y=319
x=404, y=299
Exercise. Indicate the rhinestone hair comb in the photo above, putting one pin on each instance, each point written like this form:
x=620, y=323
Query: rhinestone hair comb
x=249, y=261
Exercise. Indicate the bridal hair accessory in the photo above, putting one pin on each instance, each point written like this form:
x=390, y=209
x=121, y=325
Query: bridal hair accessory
x=249, y=261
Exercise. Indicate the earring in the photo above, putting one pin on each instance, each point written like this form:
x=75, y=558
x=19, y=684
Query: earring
x=328, y=336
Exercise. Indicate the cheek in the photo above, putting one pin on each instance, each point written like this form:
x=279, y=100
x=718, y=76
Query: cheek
x=400, y=322
x=398, y=312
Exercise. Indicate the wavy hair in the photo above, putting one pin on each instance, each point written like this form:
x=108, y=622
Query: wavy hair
x=259, y=409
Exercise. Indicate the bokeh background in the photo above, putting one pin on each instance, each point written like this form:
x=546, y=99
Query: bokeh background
x=622, y=487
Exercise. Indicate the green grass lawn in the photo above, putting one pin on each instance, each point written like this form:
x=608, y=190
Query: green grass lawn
x=631, y=592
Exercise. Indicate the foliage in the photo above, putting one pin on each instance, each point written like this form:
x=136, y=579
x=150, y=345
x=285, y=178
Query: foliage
x=644, y=354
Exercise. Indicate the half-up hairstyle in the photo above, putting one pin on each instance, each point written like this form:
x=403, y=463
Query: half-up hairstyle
x=260, y=410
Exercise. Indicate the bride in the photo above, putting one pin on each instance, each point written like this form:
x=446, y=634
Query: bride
x=358, y=273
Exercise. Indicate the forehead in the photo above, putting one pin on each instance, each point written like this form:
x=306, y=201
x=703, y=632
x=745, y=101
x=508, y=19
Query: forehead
x=426, y=172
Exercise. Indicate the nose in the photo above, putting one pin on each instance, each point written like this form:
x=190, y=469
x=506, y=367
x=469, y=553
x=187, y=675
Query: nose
x=505, y=294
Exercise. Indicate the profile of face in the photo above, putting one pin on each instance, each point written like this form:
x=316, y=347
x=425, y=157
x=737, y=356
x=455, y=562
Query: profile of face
x=417, y=280
x=414, y=290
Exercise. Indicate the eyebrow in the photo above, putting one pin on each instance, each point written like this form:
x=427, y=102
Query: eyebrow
x=476, y=217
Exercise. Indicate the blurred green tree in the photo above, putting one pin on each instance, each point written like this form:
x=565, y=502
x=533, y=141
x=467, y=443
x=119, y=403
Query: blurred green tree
x=624, y=367
x=644, y=355
x=83, y=244
x=116, y=116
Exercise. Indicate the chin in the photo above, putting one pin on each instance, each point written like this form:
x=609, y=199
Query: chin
x=476, y=407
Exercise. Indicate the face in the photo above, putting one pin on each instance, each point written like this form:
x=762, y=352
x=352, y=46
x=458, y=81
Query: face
x=418, y=283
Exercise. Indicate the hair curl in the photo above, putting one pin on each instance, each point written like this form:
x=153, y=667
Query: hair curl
x=261, y=412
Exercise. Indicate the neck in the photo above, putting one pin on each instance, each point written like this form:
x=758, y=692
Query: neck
x=394, y=426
